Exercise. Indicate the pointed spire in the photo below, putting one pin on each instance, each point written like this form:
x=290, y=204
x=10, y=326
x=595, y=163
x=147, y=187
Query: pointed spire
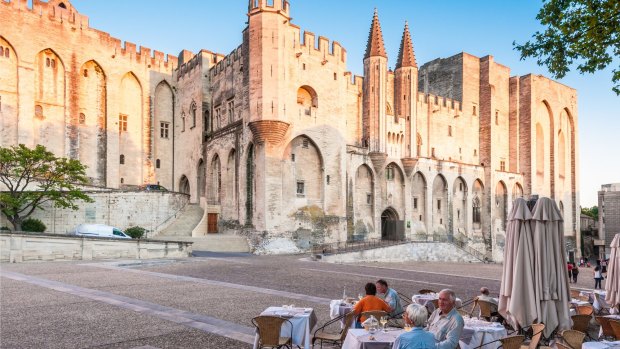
x=406, y=57
x=375, y=46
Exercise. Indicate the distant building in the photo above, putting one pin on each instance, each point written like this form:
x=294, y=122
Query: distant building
x=608, y=214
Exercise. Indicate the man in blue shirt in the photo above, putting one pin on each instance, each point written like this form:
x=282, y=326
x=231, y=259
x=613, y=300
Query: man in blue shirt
x=445, y=322
x=418, y=337
x=391, y=298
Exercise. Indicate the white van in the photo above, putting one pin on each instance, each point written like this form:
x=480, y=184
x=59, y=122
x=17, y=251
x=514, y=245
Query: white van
x=100, y=230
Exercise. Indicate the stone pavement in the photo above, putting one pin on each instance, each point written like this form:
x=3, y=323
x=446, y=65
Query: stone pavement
x=200, y=302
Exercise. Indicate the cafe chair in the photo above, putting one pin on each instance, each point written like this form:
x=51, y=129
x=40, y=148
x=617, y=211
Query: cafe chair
x=376, y=313
x=581, y=323
x=605, y=308
x=615, y=327
x=607, y=331
x=512, y=342
x=426, y=291
x=584, y=309
x=575, y=293
x=334, y=338
x=269, y=328
x=486, y=309
x=562, y=346
x=404, y=299
x=574, y=339
x=537, y=330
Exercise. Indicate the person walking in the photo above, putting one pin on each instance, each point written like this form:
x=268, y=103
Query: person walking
x=598, y=276
x=569, y=266
x=575, y=272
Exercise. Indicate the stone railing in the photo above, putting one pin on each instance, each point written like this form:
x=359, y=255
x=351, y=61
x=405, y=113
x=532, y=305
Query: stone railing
x=24, y=247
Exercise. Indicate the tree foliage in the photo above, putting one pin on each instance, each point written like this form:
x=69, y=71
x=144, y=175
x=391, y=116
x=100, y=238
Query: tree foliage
x=591, y=211
x=30, y=178
x=582, y=32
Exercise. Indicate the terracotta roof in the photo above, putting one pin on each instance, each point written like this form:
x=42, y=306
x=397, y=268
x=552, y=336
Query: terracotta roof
x=375, y=46
x=406, y=56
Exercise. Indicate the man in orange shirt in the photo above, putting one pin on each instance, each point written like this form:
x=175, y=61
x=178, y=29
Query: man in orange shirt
x=370, y=302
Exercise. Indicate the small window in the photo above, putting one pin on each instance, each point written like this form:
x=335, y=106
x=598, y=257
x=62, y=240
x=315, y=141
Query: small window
x=47, y=62
x=164, y=129
x=460, y=186
x=293, y=157
x=502, y=165
x=6, y=52
x=183, y=122
x=433, y=151
x=460, y=151
x=369, y=199
x=389, y=173
x=304, y=143
x=85, y=73
x=327, y=179
x=231, y=111
x=82, y=119
x=474, y=111
x=475, y=152
x=38, y=112
x=122, y=159
x=458, y=214
x=450, y=131
x=157, y=163
x=122, y=123
x=335, y=76
x=303, y=66
x=122, y=180
x=415, y=203
x=496, y=117
x=439, y=205
x=53, y=64
x=300, y=188
x=193, y=111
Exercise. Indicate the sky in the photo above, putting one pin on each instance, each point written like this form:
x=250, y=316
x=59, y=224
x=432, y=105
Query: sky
x=438, y=28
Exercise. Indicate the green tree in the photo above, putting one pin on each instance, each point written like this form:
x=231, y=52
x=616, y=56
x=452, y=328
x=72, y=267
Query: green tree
x=585, y=32
x=591, y=211
x=33, y=177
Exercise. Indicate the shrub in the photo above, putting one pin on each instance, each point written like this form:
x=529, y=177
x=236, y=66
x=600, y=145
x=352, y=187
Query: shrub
x=135, y=232
x=33, y=225
x=5, y=229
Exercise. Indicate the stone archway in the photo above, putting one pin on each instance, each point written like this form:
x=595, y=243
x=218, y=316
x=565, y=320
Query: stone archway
x=184, y=185
x=391, y=227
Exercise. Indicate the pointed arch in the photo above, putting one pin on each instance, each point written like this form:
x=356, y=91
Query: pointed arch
x=440, y=204
x=163, y=131
x=501, y=207
x=201, y=180
x=215, y=181
x=302, y=177
x=418, y=191
x=364, y=201
x=8, y=90
x=184, y=185
x=478, y=203
x=517, y=191
x=50, y=87
x=230, y=185
x=307, y=97
x=89, y=143
x=131, y=123
x=249, y=185
x=459, y=206
x=393, y=185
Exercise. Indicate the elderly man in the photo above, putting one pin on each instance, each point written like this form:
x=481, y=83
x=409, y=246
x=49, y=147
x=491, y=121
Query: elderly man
x=391, y=298
x=485, y=296
x=446, y=324
x=418, y=337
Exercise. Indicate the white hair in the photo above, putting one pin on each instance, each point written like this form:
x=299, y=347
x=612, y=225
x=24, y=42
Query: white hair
x=450, y=293
x=417, y=314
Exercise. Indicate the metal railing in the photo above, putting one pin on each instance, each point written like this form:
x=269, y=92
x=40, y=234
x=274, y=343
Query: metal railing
x=354, y=246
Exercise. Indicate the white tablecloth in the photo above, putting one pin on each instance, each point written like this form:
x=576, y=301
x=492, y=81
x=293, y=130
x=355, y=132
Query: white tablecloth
x=302, y=319
x=360, y=339
x=600, y=345
x=477, y=332
x=424, y=299
x=338, y=308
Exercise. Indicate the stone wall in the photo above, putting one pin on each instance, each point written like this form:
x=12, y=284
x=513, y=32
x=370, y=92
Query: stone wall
x=123, y=209
x=17, y=248
x=412, y=252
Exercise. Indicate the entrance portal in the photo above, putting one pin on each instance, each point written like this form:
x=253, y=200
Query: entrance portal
x=391, y=227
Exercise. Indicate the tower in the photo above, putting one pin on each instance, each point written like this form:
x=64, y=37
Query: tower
x=405, y=94
x=374, y=95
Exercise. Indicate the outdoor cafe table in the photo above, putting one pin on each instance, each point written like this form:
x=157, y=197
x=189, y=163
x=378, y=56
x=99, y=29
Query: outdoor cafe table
x=601, y=345
x=361, y=339
x=302, y=319
x=424, y=299
x=477, y=332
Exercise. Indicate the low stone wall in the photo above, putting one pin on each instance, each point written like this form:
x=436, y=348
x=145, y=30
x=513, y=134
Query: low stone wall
x=415, y=251
x=17, y=248
x=152, y=210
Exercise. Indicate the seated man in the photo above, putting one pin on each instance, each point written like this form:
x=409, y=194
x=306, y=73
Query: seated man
x=370, y=302
x=418, y=337
x=393, y=300
x=446, y=324
x=485, y=296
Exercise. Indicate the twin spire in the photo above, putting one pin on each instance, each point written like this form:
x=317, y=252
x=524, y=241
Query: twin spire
x=376, y=47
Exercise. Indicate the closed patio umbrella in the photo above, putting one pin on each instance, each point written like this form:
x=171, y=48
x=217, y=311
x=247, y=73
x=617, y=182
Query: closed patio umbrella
x=550, y=278
x=516, y=297
x=612, y=285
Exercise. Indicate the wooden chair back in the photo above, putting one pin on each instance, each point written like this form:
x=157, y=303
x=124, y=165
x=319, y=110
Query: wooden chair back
x=512, y=342
x=585, y=310
x=537, y=330
x=605, y=326
x=615, y=327
x=426, y=291
x=486, y=308
x=562, y=346
x=269, y=328
x=573, y=338
x=349, y=318
x=581, y=322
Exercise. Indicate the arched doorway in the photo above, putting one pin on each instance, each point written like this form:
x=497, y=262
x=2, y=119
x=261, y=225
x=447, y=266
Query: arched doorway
x=391, y=227
x=184, y=185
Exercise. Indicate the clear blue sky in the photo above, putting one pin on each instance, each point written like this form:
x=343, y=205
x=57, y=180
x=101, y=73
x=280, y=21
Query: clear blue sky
x=439, y=29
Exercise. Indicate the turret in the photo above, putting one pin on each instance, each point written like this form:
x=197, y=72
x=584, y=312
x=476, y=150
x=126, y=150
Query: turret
x=266, y=59
x=374, y=97
x=405, y=92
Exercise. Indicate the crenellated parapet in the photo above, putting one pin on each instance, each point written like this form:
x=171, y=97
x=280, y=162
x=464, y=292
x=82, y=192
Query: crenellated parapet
x=221, y=62
x=307, y=44
x=268, y=131
x=439, y=102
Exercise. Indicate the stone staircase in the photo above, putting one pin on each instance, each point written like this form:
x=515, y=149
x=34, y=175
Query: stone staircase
x=191, y=226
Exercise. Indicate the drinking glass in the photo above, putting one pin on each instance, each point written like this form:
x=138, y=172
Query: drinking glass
x=383, y=320
x=360, y=296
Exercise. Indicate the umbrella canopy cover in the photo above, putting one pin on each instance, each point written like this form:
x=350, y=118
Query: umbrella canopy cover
x=612, y=285
x=517, y=298
x=550, y=277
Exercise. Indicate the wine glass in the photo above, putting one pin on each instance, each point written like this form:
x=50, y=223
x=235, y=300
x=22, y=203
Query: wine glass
x=360, y=296
x=383, y=320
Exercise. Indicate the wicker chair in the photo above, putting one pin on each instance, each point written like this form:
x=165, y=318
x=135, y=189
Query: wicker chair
x=605, y=327
x=334, y=338
x=585, y=309
x=573, y=338
x=615, y=326
x=486, y=309
x=561, y=346
x=537, y=330
x=512, y=342
x=426, y=291
x=581, y=322
x=575, y=293
x=269, y=328
x=605, y=308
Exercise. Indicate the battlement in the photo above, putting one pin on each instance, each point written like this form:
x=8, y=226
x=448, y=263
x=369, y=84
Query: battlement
x=234, y=57
x=279, y=6
x=355, y=81
x=439, y=102
x=322, y=48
